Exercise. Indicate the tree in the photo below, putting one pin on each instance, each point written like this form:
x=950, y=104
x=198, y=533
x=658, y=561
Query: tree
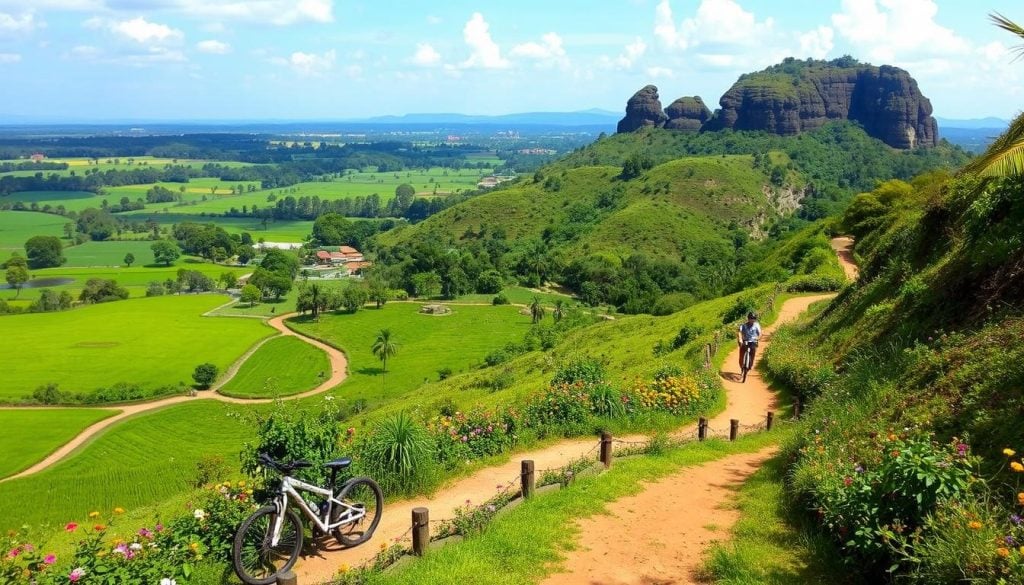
x=332, y=229
x=426, y=284
x=205, y=374
x=17, y=276
x=536, y=309
x=281, y=262
x=228, y=280
x=559, y=311
x=44, y=252
x=194, y=281
x=165, y=251
x=251, y=294
x=271, y=283
x=1005, y=157
x=102, y=290
x=378, y=290
x=99, y=224
x=16, y=259
x=353, y=297
x=129, y=259
x=154, y=289
x=384, y=348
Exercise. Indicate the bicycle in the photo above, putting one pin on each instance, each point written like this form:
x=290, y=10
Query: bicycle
x=747, y=357
x=268, y=542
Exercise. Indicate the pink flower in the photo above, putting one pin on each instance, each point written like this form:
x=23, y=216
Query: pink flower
x=14, y=552
x=50, y=559
x=70, y=526
x=76, y=574
x=145, y=533
x=159, y=528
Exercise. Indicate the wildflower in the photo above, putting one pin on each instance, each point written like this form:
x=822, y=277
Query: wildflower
x=1016, y=466
x=847, y=481
x=383, y=545
x=76, y=574
x=158, y=528
x=961, y=449
x=343, y=569
x=1015, y=519
x=859, y=469
x=193, y=546
x=1009, y=452
x=70, y=526
x=199, y=514
x=1020, y=498
x=14, y=552
x=28, y=547
x=974, y=525
x=94, y=514
x=99, y=527
x=1009, y=540
x=135, y=546
x=241, y=484
x=167, y=581
x=50, y=559
x=121, y=550
x=145, y=533
x=1003, y=552
x=119, y=510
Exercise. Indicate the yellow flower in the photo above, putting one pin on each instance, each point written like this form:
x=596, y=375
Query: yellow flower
x=1003, y=552
x=1021, y=550
x=1016, y=466
x=194, y=546
x=343, y=569
x=1009, y=452
x=249, y=491
x=1020, y=498
x=119, y=510
x=241, y=484
x=94, y=514
x=974, y=525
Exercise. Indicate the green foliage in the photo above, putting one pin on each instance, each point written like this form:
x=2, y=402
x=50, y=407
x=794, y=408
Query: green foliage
x=165, y=252
x=743, y=305
x=251, y=294
x=398, y=453
x=687, y=333
x=800, y=367
x=205, y=374
x=288, y=432
x=280, y=367
x=44, y=252
x=102, y=290
x=499, y=299
x=585, y=370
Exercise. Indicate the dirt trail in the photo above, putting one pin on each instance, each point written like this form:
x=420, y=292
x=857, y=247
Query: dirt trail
x=626, y=547
x=338, y=373
x=844, y=249
x=747, y=402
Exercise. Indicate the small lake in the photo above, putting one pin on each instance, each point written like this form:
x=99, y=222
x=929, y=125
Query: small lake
x=42, y=283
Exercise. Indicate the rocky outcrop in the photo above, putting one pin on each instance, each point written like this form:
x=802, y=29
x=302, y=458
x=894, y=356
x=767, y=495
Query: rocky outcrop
x=642, y=110
x=687, y=113
x=798, y=96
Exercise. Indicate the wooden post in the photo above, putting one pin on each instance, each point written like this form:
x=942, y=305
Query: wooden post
x=707, y=355
x=606, y=449
x=420, y=531
x=527, y=478
x=796, y=408
x=702, y=429
x=734, y=429
x=287, y=578
x=769, y=420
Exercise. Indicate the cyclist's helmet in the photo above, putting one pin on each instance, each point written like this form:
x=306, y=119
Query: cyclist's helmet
x=752, y=315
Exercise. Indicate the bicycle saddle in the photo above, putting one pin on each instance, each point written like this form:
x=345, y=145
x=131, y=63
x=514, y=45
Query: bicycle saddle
x=340, y=463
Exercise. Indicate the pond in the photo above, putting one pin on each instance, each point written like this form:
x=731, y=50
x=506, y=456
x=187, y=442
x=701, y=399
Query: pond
x=42, y=283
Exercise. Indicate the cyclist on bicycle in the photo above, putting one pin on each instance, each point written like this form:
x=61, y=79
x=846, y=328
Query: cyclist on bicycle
x=748, y=336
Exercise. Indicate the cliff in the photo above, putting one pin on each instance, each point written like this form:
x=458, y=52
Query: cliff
x=642, y=110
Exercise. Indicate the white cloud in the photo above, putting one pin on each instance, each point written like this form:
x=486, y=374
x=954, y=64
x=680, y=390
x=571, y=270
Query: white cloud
x=8, y=58
x=716, y=22
x=630, y=54
x=816, y=43
x=23, y=23
x=213, y=47
x=547, y=53
x=431, y=19
x=484, y=52
x=139, y=30
x=309, y=64
x=660, y=72
x=426, y=55
x=897, y=30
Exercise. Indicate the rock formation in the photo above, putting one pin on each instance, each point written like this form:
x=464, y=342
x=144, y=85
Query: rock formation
x=643, y=109
x=687, y=113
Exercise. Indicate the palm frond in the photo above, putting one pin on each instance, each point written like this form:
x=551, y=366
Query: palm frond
x=1010, y=27
x=1005, y=157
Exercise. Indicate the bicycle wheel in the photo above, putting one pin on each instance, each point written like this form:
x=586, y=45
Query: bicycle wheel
x=359, y=492
x=256, y=562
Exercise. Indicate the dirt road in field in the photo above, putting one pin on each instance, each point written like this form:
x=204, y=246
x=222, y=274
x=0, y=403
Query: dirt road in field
x=339, y=371
x=844, y=249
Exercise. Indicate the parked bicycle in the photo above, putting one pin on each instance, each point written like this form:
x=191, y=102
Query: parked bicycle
x=269, y=541
x=748, y=349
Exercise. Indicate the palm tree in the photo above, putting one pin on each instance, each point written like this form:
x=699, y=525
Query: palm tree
x=1005, y=157
x=536, y=309
x=384, y=348
x=314, y=300
x=559, y=311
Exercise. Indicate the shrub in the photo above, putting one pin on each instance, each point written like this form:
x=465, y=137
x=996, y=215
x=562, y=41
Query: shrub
x=48, y=394
x=205, y=375
x=586, y=370
x=814, y=283
x=687, y=333
x=562, y=406
x=499, y=299
x=800, y=367
x=444, y=373
x=739, y=309
x=209, y=469
x=677, y=394
x=478, y=433
x=398, y=453
x=288, y=433
x=606, y=400
x=503, y=379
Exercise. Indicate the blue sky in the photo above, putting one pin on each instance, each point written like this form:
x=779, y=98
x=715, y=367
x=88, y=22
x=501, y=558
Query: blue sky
x=334, y=59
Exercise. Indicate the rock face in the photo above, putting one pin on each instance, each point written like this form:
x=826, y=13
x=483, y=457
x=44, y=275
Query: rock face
x=643, y=109
x=688, y=114
x=797, y=96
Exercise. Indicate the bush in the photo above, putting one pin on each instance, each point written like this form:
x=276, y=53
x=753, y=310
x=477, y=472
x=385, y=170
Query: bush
x=814, y=283
x=798, y=366
x=562, y=406
x=154, y=289
x=398, y=453
x=444, y=373
x=606, y=401
x=205, y=375
x=586, y=370
x=290, y=433
x=503, y=379
x=499, y=299
x=209, y=469
x=48, y=394
x=739, y=309
x=687, y=333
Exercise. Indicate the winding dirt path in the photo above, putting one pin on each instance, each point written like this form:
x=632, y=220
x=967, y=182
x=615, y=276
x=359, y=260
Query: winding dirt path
x=339, y=371
x=844, y=249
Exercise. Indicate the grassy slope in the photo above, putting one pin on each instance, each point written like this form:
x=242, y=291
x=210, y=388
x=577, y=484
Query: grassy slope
x=280, y=367
x=30, y=435
x=109, y=253
x=16, y=227
x=152, y=342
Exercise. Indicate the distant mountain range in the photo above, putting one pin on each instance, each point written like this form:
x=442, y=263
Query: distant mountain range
x=974, y=123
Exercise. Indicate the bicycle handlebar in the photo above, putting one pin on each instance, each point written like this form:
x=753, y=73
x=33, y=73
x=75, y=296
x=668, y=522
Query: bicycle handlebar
x=268, y=461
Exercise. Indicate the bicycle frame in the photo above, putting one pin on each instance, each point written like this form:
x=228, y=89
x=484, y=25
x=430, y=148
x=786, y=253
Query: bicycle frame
x=748, y=361
x=290, y=488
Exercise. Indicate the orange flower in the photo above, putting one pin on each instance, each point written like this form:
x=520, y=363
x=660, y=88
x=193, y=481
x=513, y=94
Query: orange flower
x=1003, y=552
x=974, y=525
x=1020, y=498
x=1016, y=466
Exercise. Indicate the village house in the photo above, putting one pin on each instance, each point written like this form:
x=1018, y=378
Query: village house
x=346, y=256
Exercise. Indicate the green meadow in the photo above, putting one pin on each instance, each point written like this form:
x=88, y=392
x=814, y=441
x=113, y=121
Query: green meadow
x=151, y=342
x=30, y=435
x=16, y=227
x=71, y=200
x=290, y=230
x=280, y=367
x=80, y=165
x=110, y=253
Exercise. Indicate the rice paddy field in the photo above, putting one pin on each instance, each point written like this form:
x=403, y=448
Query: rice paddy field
x=280, y=367
x=151, y=342
x=30, y=435
x=16, y=227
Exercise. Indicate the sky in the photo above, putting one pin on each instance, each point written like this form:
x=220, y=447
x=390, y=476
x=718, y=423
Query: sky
x=92, y=60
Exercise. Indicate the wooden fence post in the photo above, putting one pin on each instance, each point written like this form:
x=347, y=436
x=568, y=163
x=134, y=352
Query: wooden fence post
x=796, y=408
x=769, y=420
x=734, y=429
x=707, y=355
x=606, y=449
x=287, y=578
x=420, y=531
x=528, y=479
x=702, y=428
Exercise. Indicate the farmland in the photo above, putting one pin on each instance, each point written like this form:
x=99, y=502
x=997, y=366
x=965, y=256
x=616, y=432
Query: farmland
x=280, y=367
x=30, y=435
x=151, y=342
x=16, y=227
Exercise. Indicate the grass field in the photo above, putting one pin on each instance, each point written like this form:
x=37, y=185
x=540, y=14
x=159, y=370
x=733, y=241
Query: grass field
x=276, y=230
x=425, y=344
x=109, y=253
x=280, y=367
x=71, y=200
x=80, y=165
x=139, y=462
x=151, y=342
x=30, y=435
x=16, y=227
